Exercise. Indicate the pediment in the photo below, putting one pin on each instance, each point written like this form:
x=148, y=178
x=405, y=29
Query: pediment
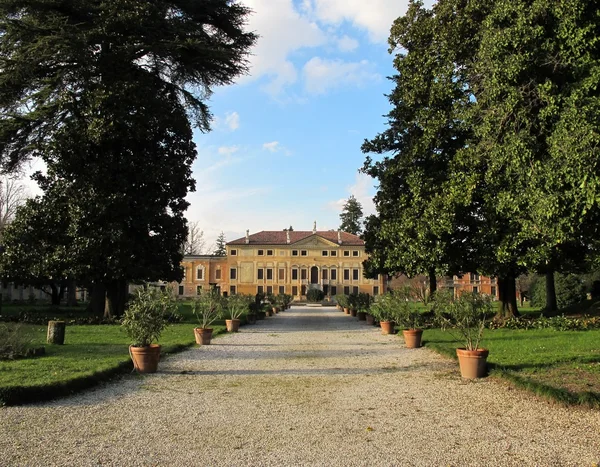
x=315, y=241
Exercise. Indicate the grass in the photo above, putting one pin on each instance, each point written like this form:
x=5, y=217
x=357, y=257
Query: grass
x=560, y=365
x=91, y=354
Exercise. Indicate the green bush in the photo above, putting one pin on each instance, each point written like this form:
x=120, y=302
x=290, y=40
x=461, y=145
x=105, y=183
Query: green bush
x=315, y=295
x=14, y=342
x=570, y=290
x=146, y=315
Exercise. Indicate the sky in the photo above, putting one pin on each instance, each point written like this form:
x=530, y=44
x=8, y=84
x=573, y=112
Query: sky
x=285, y=142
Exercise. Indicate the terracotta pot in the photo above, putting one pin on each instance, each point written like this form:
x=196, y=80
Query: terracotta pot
x=203, y=335
x=275, y=310
x=145, y=359
x=387, y=327
x=233, y=325
x=361, y=315
x=347, y=311
x=370, y=319
x=353, y=312
x=473, y=363
x=412, y=338
x=268, y=313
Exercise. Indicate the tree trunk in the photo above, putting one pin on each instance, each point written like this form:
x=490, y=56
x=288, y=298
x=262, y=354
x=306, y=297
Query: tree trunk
x=71, y=293
x=55, y=295
x=550, y=292
x=56, y=332
x=116, y=297
x=97, y=296
x=432, y=282
x=507, y=292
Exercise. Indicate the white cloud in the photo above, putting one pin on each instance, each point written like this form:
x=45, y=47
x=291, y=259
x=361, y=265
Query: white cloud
x=273, y=146
x=232, y=119
x=363, y=190
x=347, y=44
x=322, y=75
x=228, y=150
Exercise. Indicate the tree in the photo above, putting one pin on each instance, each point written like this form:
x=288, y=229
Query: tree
x=12, y=195
x=351, y=216
x=104, y=93
x=220, y=249
x=194, y=242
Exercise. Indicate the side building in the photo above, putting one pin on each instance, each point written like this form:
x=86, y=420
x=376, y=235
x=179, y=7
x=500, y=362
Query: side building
x=277, y=262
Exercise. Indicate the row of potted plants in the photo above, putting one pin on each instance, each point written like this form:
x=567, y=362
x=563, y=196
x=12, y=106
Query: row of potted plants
x=464, y=317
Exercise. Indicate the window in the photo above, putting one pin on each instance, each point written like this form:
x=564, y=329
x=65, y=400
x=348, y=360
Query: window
x=269, y=290
x=333, y=290
x=475, y=289
x=260, y=289
x=198, y=289
x=218, y=274
x=281, y=276
x=281, y=289
x=325, y=253
x=269, y=274
x=326, y=290
x=334, y=274
x=333, y=253
x=474, y=277
x=355, y=253
x=294, y=252
x=303, y=253
x=355, y=274
x=375, y=290
x=294, y=274
x=346, y=253
x=324, y=274
x=200, y=273
x=233, y=252
x=233, y=273
x=232, y=290
x=294, y=290
x=181, y=290
x=355, y=290
x=260, y=252
x=346, y=274
x=303, y=274
x=346, y=290
x=260, y=274
x=493, y=291
x=269, y=252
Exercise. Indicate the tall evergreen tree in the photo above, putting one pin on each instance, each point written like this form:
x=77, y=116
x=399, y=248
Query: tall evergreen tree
x=220, y=249
x=351, y=216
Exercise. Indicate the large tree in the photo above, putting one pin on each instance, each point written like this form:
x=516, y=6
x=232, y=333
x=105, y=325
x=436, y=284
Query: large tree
x=104, y=91
x=351, y=216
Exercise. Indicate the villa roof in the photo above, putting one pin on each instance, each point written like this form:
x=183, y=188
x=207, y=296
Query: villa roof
x=279, y=237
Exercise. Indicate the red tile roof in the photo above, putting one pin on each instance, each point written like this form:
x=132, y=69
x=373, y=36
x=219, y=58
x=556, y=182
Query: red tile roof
x=278, y=237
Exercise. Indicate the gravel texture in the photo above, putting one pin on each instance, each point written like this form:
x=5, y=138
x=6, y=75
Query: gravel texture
x=309, y=386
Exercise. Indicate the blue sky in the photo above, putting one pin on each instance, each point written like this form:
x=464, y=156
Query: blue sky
x=285, y=144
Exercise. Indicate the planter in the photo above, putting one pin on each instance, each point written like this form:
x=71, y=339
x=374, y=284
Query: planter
x=412, y=338
x=473, y=363
x=261, y=315
x=370, y=319
x=268, y=313
x=275, y=311
x=387, y=327
x=203, y=335
x=233, y=325
x=145, y=359
x=353, y=312
x=361, y=315
x=347, y=311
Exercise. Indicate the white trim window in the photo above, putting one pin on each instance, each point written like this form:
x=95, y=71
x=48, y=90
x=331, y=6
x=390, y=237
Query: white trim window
x=200, y=273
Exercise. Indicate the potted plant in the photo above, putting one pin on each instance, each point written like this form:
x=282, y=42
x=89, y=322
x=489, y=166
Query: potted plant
x=287, y=301
x=207, y=307
x=281, y=302
x=407, y=315
x=466, y=317
x=274, y=302
x=383, y=311
x=353, y=304
x=363, y=303
x=144, y=320
x=236, y=306
x=343, y=302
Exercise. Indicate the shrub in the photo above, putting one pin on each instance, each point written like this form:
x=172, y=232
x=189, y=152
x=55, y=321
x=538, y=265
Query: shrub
x=145, y=317
x=14, y=342
x=315, y=295
x=363, y=302
x=383, y=309
x=238, y=304
x=207, y=307
x=342, y=300
x=570, y=290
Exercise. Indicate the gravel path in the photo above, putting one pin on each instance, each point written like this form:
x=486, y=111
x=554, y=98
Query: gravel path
x=309, y=386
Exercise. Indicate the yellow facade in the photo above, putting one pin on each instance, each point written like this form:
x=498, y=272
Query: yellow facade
x=281, y=262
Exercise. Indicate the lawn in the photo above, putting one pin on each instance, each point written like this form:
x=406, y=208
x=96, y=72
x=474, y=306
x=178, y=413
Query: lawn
x=90, y=354
x=562, y=365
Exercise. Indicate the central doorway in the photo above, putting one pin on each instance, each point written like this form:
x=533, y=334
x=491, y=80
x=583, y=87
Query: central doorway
x=314, y=275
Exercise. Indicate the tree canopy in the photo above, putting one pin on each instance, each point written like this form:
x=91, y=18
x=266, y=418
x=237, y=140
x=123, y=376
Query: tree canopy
x=220, y=248
x=351, y=216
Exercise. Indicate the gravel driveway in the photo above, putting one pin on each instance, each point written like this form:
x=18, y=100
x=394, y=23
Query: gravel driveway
x=309, y=386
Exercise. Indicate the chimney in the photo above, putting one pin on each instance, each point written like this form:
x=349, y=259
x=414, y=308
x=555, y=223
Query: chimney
x=247, y=236
x=287, y=236
x=339, y=236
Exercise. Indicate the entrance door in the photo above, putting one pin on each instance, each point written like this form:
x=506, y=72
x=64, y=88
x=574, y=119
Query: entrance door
x=314, y=275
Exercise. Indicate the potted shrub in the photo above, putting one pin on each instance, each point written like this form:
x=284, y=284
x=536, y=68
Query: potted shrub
x=383, y=311
x=315, y=296
x=207, y=307
x=144, y=320
x=273, y=301
x=363, y=303
x=465, y=317
x=353, y=304
x=281, y=302
x=343, y=302
x=407, y=315
x=236, y=306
